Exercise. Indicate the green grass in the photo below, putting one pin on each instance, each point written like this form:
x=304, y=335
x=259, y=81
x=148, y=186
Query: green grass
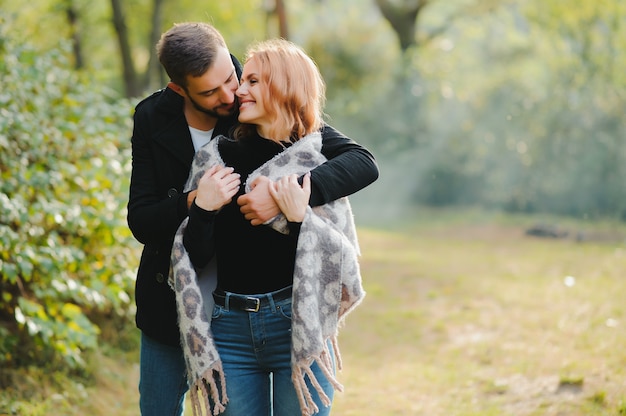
x=465, y=316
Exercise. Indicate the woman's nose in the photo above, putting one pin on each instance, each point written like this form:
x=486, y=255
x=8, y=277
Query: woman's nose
x=241, y=90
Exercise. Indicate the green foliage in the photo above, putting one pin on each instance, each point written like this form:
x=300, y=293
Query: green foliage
x=519, y=108
x=240, y=23
x=507, y=104
x=64, y=243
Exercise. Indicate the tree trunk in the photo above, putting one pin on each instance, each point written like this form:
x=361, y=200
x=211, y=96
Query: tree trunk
x=154, y=73
x=281, y=13
x=403, y=19
x=130, y=75
x=72, y=19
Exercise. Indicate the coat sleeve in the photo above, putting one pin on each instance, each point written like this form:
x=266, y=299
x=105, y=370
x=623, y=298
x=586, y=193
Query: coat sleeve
x=350, y=168
x=198, y=237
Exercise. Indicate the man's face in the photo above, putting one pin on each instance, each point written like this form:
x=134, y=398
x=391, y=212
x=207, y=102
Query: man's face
x=213, y=93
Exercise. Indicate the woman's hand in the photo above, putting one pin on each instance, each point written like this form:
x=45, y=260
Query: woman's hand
x=217, y=187
x=291, y=198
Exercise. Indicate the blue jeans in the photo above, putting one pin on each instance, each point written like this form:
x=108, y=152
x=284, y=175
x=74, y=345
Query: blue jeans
x=255, y=349
x=162, y=380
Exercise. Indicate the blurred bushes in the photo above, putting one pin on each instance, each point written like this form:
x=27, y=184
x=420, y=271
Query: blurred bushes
x=503, y=111
x=506, y=150
x=65, y=249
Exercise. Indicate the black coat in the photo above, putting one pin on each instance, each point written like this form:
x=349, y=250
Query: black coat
x=162, y=152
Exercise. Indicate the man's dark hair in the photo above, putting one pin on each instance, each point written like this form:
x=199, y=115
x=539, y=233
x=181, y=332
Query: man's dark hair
x=188, y=49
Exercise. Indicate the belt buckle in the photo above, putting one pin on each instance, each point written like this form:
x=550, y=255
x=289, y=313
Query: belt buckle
x=257, y=304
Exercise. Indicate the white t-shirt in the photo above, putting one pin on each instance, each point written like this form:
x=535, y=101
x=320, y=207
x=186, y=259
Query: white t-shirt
x=207, y=279
x=200, y=137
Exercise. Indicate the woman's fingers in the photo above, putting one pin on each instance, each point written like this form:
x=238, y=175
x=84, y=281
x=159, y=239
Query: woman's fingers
x=217, y=187
x=291, y=198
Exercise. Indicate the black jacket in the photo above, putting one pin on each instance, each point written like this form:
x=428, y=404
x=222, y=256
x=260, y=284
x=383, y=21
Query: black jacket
x=162, y=153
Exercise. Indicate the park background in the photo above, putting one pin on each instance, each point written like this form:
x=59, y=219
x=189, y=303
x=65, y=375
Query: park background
x=493, y=242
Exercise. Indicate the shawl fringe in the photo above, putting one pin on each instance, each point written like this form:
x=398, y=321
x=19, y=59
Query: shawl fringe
x=207, y=386
x=302, y=370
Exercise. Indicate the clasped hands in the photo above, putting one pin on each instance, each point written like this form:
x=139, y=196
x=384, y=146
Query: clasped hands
x=265, y=200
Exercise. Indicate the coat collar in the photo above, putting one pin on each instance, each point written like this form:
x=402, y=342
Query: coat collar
x=171, y=128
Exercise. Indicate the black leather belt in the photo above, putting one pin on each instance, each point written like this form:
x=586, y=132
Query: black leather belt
x=249, y=303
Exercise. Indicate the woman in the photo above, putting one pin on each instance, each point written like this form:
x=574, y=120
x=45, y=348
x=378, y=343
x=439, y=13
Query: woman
x=282, y=288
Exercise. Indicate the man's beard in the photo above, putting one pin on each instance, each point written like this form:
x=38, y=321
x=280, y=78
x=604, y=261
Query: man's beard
x=211, y=112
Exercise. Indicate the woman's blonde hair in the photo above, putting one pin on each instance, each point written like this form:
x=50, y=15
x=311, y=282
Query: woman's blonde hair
x=295, y=93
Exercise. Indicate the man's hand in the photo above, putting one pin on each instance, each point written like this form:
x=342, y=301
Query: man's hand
x=292, y=199
x=217, y=187
x=258, y=206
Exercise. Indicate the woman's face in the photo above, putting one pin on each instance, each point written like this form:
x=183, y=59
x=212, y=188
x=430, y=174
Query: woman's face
x=250, y=93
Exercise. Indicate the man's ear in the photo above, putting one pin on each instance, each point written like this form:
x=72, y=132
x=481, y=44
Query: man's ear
x=176, y=88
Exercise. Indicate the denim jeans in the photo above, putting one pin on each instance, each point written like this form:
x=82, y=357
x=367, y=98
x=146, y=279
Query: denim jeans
x=162, y=381
x=255, y=349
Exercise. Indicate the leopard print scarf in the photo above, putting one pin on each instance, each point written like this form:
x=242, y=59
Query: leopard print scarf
x=326, y=285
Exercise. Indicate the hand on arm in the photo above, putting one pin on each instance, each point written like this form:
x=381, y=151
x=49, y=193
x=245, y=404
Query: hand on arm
x=217, y=187
x=291, y=198
x=258, y=206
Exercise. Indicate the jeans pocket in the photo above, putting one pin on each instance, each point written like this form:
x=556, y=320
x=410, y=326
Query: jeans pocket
x=285, y=310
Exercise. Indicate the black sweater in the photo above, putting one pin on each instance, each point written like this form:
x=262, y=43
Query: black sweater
x=250, y=259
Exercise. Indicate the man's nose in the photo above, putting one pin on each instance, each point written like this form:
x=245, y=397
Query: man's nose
x=227, y=94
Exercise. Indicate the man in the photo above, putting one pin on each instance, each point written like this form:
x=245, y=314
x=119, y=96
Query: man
x=169, y=127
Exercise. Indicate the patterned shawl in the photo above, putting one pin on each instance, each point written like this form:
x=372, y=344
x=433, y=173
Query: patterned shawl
x=326, y=285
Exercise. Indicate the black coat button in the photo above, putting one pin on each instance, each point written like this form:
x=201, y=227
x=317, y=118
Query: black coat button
x=160, y=278
x=172, y=192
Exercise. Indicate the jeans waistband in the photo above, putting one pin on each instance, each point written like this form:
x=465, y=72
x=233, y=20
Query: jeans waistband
x=249, y=303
